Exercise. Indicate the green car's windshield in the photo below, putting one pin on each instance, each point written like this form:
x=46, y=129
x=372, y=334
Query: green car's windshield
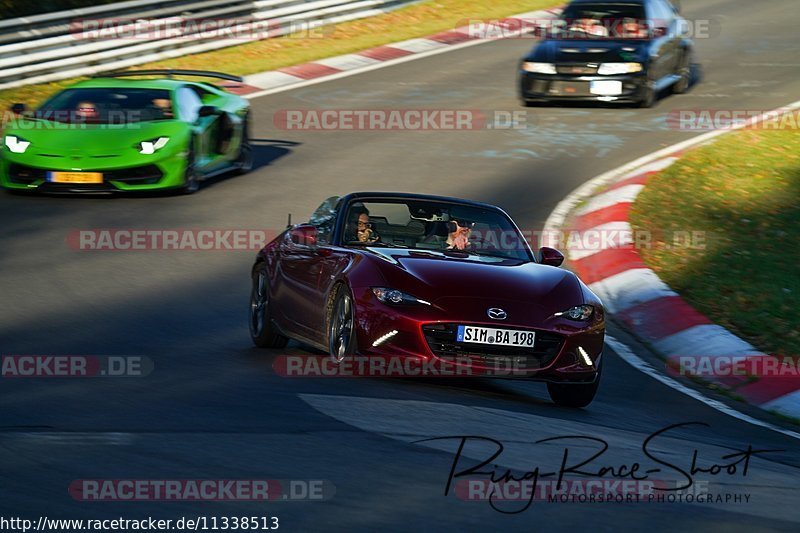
x=108, y=106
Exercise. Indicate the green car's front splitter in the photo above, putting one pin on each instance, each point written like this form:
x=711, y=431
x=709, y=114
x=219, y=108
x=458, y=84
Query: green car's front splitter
x=91, y=174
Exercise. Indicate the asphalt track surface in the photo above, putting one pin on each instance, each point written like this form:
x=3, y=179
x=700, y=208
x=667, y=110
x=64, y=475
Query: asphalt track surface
x=213, y=408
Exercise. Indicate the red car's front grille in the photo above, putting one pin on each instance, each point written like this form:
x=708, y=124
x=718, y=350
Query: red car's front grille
x=441, y=339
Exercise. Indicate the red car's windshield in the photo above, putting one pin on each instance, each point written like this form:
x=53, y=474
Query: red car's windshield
x=108, y=106
x=435, y=226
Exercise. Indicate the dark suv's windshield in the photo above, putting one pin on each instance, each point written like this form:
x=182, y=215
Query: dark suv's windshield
x=108, y=106
x=451, y=228
x=601, y=21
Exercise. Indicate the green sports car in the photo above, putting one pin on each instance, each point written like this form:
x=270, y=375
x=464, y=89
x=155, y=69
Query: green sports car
x=113, y=133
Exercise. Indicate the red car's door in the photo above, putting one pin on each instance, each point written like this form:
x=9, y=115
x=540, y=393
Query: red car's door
x=306, y=278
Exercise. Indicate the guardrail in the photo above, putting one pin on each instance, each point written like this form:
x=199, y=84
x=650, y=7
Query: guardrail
x=81, y=42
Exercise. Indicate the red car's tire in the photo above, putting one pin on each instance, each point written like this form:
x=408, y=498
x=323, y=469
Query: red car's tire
x=575, y=395
x=262, y=331
x=341, y=325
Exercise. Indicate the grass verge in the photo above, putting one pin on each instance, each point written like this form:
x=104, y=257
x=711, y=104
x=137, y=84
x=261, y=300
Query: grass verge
x=741, y=193
x=418, y=20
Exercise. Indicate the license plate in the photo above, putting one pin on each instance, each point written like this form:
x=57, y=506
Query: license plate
x=501, y=337
x=606, y=88
x=75, y=177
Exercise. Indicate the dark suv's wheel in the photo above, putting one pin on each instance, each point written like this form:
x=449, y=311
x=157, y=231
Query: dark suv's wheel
x=685, y=73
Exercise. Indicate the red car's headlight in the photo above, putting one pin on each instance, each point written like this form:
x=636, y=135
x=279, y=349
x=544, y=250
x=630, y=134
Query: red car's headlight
x=393, y=296
x=579, y=312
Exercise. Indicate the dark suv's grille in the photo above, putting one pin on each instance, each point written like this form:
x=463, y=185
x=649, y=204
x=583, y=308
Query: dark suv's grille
x=441, y=339
x=576, y=70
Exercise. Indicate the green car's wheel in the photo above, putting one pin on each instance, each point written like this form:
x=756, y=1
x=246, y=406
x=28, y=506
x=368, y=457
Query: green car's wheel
x=191, y=183
x=245, y=160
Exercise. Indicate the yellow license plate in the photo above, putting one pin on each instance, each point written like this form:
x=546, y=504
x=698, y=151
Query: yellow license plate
x=76, y=177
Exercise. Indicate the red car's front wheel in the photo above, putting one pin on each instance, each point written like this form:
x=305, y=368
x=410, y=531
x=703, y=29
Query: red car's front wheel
x=341, y=326
x=262, y=330
x=571, y=395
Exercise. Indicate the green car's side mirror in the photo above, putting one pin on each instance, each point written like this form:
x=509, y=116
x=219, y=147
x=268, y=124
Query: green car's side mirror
x=207, y=111
x=18, y=108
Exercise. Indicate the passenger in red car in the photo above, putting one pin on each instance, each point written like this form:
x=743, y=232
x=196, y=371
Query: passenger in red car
x=458, y=238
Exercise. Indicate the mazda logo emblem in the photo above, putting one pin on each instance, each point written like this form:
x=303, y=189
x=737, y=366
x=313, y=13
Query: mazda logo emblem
x=497, y=314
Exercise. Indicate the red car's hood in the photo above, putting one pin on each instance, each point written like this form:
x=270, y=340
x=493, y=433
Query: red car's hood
x=460, y=284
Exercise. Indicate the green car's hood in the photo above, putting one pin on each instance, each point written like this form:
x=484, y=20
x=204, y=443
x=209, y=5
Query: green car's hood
x=59, y=139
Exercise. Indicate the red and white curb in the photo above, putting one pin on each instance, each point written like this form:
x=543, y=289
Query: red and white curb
x=636, y=296
x=295, y=76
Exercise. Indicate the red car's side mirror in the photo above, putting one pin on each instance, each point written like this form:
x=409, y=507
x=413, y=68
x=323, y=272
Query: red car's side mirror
x=304, y=235
x=550, y=256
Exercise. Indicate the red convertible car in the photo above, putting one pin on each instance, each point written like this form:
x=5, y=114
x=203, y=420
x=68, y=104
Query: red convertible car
x=433, y=279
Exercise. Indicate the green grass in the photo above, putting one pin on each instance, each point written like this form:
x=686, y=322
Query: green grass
x=417, y=20
x=743, y=192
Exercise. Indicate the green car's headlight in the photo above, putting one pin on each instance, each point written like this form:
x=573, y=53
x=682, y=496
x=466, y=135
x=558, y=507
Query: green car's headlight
x=153, y=145
x=18, y=145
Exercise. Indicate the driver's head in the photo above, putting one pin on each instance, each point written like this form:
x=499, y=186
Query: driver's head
x=165, y=105
x=86, y=110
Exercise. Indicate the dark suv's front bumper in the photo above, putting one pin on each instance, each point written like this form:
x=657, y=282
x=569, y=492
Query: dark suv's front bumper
x=554, y=87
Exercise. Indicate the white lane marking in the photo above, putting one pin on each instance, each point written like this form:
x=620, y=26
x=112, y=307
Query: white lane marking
x=635, y=361
x=656, y=166
x=709, y=340
x=386, y=64
x=272, y=78
x=788, y=404
x=418, y=45
x=111, y=439
x=632, y=287
x=608, y=236
x=347, y=62
x=628, y=193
